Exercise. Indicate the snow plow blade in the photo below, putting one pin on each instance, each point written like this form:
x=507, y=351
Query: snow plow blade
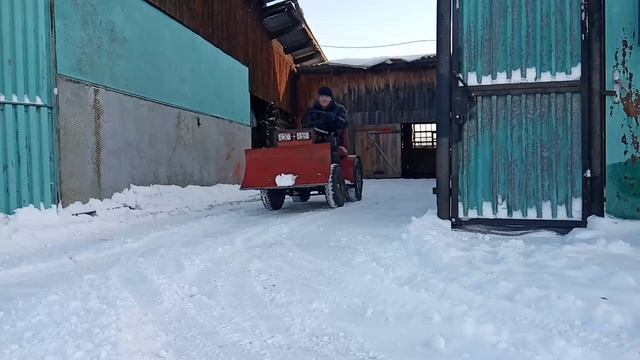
x=310, y=163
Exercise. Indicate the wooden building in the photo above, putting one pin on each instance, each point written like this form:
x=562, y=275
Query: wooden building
x=391, y=107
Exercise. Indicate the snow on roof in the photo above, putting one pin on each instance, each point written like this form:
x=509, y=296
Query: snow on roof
x=371, y=62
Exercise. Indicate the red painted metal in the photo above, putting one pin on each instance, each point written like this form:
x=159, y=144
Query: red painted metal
x=294, y=143
x=311, y=164
x=348, y=167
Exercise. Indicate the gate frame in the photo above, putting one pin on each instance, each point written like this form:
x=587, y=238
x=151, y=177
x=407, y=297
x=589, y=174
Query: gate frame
x=590, y=86
x=56, y=107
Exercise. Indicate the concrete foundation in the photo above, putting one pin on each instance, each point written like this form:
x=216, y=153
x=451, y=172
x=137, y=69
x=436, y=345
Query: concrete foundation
x=109, y=140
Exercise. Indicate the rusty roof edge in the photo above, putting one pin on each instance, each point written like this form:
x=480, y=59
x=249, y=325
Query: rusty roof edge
x=311, y=34
x=299, y=13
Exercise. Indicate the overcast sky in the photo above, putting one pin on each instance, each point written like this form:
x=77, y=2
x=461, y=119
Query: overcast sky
x=372, y=22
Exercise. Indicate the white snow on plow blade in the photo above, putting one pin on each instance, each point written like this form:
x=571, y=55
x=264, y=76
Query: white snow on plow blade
x=286, y=179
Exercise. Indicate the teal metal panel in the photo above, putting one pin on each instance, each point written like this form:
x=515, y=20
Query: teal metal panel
x=623, y=113
x=28, y=171
x=511, y=36
x=132, y=47
x=519, y=155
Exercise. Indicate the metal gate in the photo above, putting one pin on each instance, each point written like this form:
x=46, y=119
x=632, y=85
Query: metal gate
x=519, y=122
x=27, y=132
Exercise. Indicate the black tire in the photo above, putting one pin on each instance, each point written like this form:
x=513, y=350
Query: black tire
x=335, y=190
x=301, y=197
x=272, y=199
x=354, y=192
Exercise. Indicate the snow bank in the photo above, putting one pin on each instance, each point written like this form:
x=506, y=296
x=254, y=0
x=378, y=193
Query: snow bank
x=29, y=225
x=540, y=292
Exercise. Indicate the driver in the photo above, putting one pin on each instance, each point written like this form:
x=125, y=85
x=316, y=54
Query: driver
x=327, y=115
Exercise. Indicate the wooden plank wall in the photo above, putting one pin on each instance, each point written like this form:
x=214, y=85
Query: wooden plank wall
x=380, y=148
x=381, y=96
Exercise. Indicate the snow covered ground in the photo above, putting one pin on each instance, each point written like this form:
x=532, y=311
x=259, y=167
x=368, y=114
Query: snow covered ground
x=207, y=273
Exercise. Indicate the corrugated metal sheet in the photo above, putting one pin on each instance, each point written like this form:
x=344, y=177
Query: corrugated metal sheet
x=520, y=155
x=27, y=161
x=507, y=35
x=235, y=27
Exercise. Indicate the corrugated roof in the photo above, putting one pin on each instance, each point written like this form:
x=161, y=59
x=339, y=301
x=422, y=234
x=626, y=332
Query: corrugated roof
x=285, y=22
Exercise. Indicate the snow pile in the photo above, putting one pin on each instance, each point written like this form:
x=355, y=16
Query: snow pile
x=533, y=296
x=286, y=180
x=361, y=282
x=531, y=75
x=29, y=225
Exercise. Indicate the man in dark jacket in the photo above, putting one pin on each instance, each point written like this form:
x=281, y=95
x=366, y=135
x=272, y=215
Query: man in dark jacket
x=327, y=115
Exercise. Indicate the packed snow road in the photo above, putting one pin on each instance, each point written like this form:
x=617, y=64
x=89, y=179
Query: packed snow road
x=209, y=274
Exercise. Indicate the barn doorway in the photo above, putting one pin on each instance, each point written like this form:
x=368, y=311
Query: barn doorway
x=419, y=150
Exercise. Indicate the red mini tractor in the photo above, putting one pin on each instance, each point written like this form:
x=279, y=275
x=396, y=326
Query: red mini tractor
x=300, y=165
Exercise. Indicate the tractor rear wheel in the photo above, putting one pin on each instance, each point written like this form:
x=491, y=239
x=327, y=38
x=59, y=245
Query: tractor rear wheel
x=301, y=197
x=335, y=190
x=354, y=192
x=272, y=199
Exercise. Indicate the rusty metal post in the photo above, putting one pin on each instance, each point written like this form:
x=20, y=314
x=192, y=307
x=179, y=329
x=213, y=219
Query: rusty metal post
x=443, y=104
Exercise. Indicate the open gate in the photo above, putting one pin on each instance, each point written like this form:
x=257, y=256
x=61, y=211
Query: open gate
x=519, y=128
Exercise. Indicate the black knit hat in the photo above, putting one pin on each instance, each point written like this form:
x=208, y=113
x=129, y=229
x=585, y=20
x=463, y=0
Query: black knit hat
x=325, y=91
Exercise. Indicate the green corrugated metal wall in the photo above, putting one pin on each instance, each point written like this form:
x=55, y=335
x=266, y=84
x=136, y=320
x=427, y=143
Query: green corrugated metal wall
x=27, y=131
x=506, y=35
x=520, y=155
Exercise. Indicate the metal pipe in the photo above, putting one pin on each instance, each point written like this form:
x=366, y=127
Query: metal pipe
x=443, y=109
x=596, y=106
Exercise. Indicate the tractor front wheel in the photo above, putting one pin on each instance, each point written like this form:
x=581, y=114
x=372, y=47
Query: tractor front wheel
x=272, y=199
x=335, y=190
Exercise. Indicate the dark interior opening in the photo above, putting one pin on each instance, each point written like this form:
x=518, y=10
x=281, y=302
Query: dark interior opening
x=419, y=142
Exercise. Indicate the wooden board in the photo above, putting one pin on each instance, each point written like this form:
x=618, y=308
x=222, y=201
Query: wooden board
x=380, y=149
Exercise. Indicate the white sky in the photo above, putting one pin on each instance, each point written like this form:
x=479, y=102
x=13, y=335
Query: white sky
x=372, y=22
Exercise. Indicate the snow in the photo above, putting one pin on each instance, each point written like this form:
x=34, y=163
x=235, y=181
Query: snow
x=26, y=100
x=207, y=273
x=369, y=62
x=286, y=180
x=546, y=211
x=531, y=75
